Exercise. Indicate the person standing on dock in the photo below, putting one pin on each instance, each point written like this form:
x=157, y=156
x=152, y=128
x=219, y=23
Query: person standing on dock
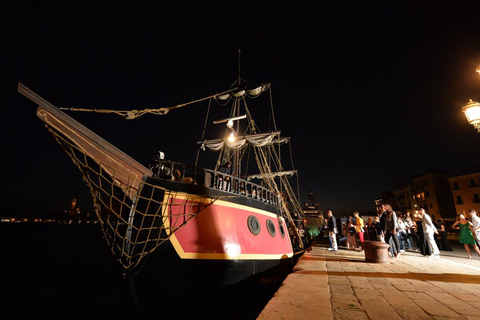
x=466, y=234
x=444, y=244
x=382, y=216
x=423, y=246
x=378, y=229
x=410, y=226
x=390, y=230
x=359, y=225
x=476, y=225
x=371, y=230
x=351, y=234
x=402, y=235
x=332, y=231
x=429, y=230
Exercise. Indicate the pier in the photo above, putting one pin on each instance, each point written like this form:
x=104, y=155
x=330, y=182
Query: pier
x=343, y=285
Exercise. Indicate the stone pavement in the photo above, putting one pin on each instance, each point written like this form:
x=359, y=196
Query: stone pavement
x=342, y=285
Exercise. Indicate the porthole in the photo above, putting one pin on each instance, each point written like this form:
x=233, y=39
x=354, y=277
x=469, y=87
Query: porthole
x=282, y=229
x=271, y=228
x=253, y=225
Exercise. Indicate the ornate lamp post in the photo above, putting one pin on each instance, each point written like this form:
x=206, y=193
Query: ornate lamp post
x=472, y=112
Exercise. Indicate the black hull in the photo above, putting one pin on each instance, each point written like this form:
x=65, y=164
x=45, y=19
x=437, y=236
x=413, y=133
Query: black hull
x=164, y=269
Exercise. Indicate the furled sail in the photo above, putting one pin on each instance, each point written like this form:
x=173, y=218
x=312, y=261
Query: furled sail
x=271, y=175
x=256, y=140
x=240, y=93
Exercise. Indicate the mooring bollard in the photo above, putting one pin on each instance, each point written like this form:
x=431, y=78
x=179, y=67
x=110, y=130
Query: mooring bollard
x=376, y=251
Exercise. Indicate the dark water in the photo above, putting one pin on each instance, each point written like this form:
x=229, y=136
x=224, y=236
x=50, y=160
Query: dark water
x=51, y=271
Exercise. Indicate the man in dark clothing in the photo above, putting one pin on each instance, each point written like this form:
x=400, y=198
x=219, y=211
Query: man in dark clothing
x=382, y=218
x=332, y=231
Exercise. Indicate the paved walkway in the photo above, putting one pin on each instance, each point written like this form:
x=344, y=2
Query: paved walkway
x=342, y=285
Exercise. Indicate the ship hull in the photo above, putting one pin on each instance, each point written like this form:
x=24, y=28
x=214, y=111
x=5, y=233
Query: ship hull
x=235, y=239
x=165, y=269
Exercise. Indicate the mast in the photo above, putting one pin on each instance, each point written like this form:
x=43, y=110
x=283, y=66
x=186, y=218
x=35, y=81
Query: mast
x=236, y=161
x=239, y=80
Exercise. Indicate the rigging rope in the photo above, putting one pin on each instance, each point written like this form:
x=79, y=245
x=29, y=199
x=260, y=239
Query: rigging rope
x=204, y=129
x=132, y=114
x=265, y=170
x=132, y=228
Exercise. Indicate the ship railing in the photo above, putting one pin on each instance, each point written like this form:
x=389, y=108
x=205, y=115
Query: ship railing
x=210, y=178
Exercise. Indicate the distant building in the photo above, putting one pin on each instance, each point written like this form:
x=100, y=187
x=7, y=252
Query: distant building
x=429, y=190
x=402, y=193
x=432, y=192
x=466, y=192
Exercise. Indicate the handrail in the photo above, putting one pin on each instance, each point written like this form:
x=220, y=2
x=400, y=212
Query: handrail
x=201, y=176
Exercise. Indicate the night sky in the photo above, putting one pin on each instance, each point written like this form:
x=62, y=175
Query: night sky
x=370, y=95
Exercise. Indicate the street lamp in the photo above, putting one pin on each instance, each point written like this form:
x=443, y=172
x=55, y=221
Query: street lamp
x=472, y=112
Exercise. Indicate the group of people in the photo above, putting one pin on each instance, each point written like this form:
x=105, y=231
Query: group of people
x=353, y=232
x=422, y=232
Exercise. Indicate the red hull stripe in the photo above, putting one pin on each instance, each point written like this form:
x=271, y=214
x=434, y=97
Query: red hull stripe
x=221, y=231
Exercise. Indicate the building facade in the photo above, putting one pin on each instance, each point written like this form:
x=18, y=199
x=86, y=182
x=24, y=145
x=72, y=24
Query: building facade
x=432, y=192
x=466, y=192
x=402, y=195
